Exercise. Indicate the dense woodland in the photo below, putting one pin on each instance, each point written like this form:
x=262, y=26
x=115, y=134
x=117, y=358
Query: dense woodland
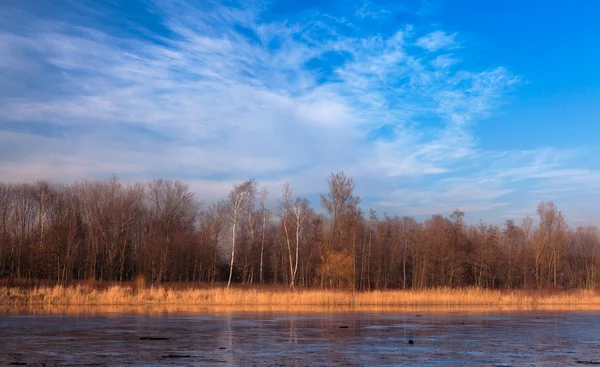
x=112, y=231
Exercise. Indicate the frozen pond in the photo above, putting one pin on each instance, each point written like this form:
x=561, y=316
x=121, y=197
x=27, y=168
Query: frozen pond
x=302, y=339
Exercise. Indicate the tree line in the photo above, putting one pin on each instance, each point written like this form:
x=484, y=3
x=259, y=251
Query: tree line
x=113, y=231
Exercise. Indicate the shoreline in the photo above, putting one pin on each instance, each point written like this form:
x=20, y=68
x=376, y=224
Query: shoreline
x=184, y=310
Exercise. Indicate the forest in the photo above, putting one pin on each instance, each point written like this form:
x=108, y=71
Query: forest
x=108, y=230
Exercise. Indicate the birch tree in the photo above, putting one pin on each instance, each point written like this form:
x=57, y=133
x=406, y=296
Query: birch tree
x=300, y=211
x=286, y=208
x=239, y=198
x=263, y=207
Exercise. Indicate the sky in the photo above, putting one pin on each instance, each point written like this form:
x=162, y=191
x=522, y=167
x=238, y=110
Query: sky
x=430, y=106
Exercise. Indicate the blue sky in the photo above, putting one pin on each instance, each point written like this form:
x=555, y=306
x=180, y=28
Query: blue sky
x=489, y=107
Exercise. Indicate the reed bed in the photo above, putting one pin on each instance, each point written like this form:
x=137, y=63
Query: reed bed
x=277, y=299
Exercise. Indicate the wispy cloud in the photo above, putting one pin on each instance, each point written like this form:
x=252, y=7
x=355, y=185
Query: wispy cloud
x=368, y=10
x=437, y=40
x=213, y=94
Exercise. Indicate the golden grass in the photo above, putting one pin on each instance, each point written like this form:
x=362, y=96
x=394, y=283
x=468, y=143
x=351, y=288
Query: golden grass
x=184, y=300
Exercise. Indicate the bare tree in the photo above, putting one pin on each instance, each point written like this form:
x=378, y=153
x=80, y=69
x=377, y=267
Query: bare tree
x=263, y=202
x=551, y=236
x=239, y=198
x=514, y=238
x=286, y=222
x=341, y=205
x=339, y=202
x=213, y=226
x=584, y=257
x=528, y=230
x=409, y=226
x=109, y=230
x=300, y=211
x=173, y=215
x=456, y=230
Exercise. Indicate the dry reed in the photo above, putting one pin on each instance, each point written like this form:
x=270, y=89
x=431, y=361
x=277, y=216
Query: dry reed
x=264, y=298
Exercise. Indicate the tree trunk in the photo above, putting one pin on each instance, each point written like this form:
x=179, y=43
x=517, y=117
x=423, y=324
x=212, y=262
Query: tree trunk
x=232, y=250
x=262, y=246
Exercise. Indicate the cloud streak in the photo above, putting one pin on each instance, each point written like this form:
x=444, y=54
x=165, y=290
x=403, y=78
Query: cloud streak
x=437, y=40
x=221, y=93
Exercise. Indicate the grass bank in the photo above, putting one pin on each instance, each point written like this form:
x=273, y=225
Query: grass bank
x=280, y=299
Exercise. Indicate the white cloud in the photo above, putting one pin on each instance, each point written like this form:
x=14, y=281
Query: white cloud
x=368, y=11
x=228, y=95
x=437, y=40
x=444, y=61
